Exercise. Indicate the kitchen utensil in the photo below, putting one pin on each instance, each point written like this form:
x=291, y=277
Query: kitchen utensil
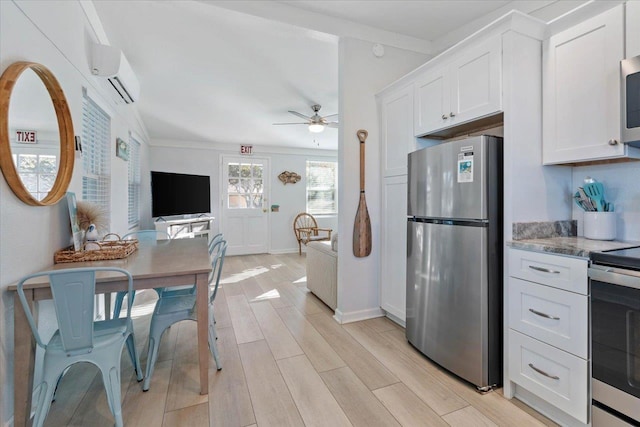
x=362, y=225
x=583, y=200
x=595, y=191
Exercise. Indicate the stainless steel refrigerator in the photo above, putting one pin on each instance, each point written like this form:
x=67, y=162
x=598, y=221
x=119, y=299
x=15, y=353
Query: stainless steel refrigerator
x=454, y=257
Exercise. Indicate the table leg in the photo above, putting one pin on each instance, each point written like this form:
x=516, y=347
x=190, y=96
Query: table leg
x=23, y=362
x=202, y=307
x=107, y=306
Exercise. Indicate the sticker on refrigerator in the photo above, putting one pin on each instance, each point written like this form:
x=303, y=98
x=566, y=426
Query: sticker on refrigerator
x=465, y=168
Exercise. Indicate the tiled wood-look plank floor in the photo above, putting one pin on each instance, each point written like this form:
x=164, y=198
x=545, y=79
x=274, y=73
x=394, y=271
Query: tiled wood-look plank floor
x=285, y=362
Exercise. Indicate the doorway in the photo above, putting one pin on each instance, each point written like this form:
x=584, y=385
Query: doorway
x=244, y=210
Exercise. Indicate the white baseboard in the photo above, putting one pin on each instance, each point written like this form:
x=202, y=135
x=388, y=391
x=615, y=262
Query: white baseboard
x=283, y=251
x=546, y=408
x=355, y=316
x=396, y=319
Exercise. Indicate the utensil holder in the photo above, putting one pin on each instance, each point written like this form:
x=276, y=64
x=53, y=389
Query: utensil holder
x=600, y=225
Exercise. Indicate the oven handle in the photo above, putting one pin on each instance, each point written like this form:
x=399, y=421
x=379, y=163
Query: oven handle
x=615, y=276
x=630, y=352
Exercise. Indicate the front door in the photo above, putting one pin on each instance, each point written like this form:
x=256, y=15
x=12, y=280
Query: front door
x=245, y=214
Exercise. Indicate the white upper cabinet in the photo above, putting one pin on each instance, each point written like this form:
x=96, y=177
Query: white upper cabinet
x=475, y=82
x=432, y=101
x=466, y=89
x=633, y=29
x=581, y=91
x=396, y=124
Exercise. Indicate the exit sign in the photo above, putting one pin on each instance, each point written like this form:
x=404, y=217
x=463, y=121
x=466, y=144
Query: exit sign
x=246, y=149
x=26, y=136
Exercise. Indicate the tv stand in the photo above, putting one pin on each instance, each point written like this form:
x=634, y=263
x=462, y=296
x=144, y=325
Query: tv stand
x=185, y=228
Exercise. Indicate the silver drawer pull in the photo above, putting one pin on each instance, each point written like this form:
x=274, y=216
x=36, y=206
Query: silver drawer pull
x=544, y=270
x=541, y=314
x=540, y=371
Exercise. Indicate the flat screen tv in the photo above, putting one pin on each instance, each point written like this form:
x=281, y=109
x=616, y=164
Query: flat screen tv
x=179, y=194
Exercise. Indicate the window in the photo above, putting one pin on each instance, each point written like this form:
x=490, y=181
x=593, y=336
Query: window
x=96, y=159
x=134, y=183
x=245, y=186
x=37, y=171
x=322, y=194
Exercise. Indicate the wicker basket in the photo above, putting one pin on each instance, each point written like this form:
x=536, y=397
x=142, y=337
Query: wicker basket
x=109, y=249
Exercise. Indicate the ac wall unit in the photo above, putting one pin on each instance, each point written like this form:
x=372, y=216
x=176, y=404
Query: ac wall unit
x=108, y=61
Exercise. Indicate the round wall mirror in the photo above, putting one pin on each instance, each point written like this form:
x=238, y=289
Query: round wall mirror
x=36, y=134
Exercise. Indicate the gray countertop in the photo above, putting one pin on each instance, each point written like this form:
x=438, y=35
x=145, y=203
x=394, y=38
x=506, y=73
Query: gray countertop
x=572, y=246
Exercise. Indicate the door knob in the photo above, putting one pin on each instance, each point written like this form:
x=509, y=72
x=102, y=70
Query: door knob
x=264, y=210
x=613, y=141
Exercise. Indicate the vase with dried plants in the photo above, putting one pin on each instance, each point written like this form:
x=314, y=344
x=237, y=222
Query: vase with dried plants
x=90, y=213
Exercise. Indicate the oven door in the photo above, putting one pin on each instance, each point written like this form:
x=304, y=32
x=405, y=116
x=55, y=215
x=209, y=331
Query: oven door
x=615, y=339
x=630, y=69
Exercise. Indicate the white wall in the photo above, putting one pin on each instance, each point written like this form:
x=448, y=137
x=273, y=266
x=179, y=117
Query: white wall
x=361, y=76
x=200, y=160
x=56, y=34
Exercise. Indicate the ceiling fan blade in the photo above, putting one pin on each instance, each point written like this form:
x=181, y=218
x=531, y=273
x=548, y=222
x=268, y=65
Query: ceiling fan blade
x=302, y=116
x=330, y=115
x=333, y=125
x=298, y=123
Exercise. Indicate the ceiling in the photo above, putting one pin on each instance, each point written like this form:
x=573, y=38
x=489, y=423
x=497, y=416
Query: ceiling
x=225, y=71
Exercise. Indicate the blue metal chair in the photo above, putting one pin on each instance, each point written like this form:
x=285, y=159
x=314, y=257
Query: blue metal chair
x=79, y=338
x=173, y=309
x=145, y=237
x=184, y=290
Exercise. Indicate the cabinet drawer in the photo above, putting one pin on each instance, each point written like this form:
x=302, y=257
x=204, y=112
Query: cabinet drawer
x=557, y=317
x=553, y=375
x=552, y=270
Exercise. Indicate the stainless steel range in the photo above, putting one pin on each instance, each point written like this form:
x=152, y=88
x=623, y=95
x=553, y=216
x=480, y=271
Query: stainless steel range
x=615, y=337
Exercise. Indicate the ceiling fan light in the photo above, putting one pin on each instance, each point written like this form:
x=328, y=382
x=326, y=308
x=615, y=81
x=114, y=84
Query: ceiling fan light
x=316, y=127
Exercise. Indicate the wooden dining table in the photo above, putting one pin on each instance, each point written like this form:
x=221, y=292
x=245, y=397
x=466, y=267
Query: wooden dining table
x=162, y=264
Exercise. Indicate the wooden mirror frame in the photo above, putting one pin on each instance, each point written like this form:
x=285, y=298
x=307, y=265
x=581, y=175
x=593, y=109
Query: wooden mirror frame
x=65, y=126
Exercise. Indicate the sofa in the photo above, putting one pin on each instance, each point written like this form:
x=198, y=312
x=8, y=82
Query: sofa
x=322, y=270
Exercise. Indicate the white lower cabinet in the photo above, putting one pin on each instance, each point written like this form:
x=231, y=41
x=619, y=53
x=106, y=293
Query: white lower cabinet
x=548, y=335
x=554, y=375
x=393, y=256
x=550, y=315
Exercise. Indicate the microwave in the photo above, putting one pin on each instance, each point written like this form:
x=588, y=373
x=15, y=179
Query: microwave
x=630, y=69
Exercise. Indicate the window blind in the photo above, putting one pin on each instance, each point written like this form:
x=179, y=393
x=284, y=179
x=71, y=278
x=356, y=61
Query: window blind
x=322, y=197
x=134, y=183
x=96, y=159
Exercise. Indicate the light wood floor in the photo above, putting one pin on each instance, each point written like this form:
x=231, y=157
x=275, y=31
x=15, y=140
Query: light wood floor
x=285, y=362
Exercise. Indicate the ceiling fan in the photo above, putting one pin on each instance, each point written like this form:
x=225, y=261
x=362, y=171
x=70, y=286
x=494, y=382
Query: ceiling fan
x=316, y=123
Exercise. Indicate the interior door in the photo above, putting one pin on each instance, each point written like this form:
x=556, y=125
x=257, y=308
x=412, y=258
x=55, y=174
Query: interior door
x=245, y=192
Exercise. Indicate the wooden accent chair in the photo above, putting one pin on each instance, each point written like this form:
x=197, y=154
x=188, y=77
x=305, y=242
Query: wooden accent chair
x=305, y=227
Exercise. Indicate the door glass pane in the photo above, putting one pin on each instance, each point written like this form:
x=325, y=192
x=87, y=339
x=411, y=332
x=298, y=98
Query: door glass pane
x=234, y=170
x=245, y=186
x=27, y=162
x=45, y=183
x=48, y=164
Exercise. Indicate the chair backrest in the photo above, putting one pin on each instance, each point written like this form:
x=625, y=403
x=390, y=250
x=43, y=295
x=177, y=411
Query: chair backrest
x=218, y=253
x=213, y=241
x=303, y=220
x=147, y=236
x=73, y=292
